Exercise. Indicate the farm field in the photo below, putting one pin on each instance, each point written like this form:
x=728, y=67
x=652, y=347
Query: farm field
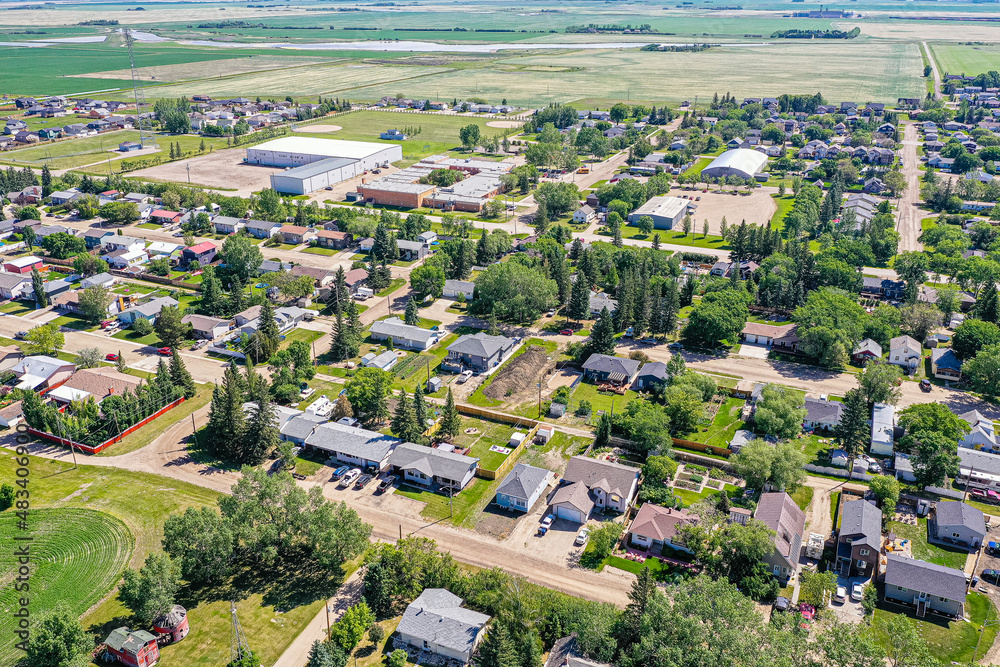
x=79, y=554
x=966, y=59
x=171, y=72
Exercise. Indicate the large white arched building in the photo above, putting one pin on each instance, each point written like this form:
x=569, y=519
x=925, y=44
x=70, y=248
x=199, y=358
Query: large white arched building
x=742, y=162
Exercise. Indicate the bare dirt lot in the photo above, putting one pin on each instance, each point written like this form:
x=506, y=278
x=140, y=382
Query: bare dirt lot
x=520, y=376
x=756, y=208
x=318, y=128
x=563, y=378
x=220, y=169
x=505, y=124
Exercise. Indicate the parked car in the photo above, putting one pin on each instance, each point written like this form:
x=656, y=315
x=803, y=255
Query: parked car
x=566, y=332
x=21, y=335
x=551, y=313
x=782, y=603
x=339, y=472
x=165, y=351
x=547, y=521
x=979, y=493
x=857, y=592
x=384, y=485
x=992, y=576
x=349, y=478
x=925, y=384
x=362, y=481
x=993, y=495
x=675, y=346
x=992, y=547
x=840, y=595
x=111, y=356
x=464, y=377
x=582, y=537
x=808, y=611
x=649, y=341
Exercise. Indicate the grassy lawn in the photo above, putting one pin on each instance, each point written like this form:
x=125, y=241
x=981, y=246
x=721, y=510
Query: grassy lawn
x=149, y=432
x=414, y=368
x=817, y=448
x=561, y=445
x=586, y=391
x=130, y=335
x=149, y=225
x=723, y=427
x=466, y=505
x=695, y=169
x=784, y=205
x=394, y=285
x=948, y=641
x=695, y=240
x=316, y=250
x=17, y=307
x=803, y=496
x=924, y=550
x=661, y=571
x=370, y=655
x=689, y=498
x=308, y=335
x=75, y=322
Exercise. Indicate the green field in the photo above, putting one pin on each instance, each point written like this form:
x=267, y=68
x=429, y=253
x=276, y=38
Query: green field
x=78, y=556
x=965, y=58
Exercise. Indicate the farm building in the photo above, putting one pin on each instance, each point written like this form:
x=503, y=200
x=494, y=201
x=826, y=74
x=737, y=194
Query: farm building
x=133, y=647
x=173, y=623
x=741, y=162
x=665, y=211
x=317, y=163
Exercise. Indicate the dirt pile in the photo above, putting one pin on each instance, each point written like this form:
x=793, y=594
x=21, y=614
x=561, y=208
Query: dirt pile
x=521, y=374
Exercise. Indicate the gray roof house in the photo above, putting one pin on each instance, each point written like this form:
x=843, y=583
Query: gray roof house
x=357, y=446
x=822, y=413
x=905, y=351
x=479, y=351
x=428, y=466
x=149, y=310
x=299, y=427
x=601, y=300
x=262, y=229
x=99, y=280
x=522, y=486
x=15, y=285
x=926, y=586
x=604, y=367
x=652, y=373
x=784, y=517
x=859, y=539
x=437, y=623
x=591, y=482
x=403, y=334
x=566, y=653
x=452, y=288
x=957, y=524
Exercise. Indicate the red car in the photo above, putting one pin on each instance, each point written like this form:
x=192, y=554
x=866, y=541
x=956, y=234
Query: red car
x=165, y=351
x=566, y=332
x=111, y=356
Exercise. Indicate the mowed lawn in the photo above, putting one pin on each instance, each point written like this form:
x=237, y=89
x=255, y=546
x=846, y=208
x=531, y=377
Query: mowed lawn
x=951, y=642
x=923, y=549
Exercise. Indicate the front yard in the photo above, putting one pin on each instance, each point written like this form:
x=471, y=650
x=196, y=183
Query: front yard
x=461, y=510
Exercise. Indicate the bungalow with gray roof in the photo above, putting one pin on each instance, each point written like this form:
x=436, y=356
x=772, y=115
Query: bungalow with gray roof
x=522, y=486
x=650, y=375
x=822, y=413
x=351, y=445
x=479, y=351
x=428, y=466
x=452, y=288
x=403, y=334
x=866, y=350
x=958, y=524
x=436, y=623
x=262, y=229
x=606, y=368
x=925, y=586
x=300, y=427
x=148, y=311
x=601, y=300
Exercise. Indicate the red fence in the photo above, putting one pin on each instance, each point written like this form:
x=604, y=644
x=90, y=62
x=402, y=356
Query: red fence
x=94, y=450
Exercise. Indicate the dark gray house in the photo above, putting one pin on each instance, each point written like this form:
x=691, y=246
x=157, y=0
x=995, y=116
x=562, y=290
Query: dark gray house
x=479, y=352
x=925, y=586
x=605, y=368
x=957, y=524
x=788, y=522
x=859, y=540
x=430, y=467
x=650, y=375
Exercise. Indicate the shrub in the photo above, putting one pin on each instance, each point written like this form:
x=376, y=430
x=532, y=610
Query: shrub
x=697, y=479
x=584, y=409
x=142, y=327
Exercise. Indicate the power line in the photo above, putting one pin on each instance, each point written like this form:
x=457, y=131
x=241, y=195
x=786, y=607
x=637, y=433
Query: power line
x=143, y=124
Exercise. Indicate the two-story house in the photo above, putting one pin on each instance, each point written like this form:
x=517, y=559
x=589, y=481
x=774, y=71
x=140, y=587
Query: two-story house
x=788, y=522
x=589, y=483
x=925, y=586
x=859, y=539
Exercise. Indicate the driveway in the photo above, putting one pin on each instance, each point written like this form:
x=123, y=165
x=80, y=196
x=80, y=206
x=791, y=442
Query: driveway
x=753, y=351
x=850, y=611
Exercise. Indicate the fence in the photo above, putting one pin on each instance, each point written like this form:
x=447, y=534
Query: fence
x=837, y=472
x=160, y=280
x=492, y=415
x=701, y=447
x=511, y=459
x=94, y=450
x=947, y=493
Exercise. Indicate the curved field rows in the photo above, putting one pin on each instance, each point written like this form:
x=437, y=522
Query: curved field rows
x=77, y=557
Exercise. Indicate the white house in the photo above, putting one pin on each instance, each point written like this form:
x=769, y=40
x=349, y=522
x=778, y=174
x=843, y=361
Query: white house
x=883, y=426
x=436, y=623
x=429, y=466
x=385, y=361
x=584, y=214
x=452, y=288
x=982, y=436
x=905, y=351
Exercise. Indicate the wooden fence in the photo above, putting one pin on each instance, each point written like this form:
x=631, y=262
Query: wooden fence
x=511, y=459
x=495, y=416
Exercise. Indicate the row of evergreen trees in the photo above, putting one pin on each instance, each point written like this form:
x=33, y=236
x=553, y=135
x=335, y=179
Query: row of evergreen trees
x=235, y=434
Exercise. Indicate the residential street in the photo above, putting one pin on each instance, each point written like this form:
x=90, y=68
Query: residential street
x=908, y=224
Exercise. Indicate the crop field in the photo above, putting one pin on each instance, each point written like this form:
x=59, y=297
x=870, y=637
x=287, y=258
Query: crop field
x=214, y=68
x=78, y=554
x=967, y=59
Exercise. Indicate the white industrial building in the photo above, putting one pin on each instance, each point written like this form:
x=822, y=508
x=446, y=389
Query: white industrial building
x=741, y=162
x=317, y=163
x=665, y=211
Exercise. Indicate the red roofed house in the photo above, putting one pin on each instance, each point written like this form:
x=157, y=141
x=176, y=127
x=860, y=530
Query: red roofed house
x=203, y=253
x=133, y=647
x=655, y=527
x=165, y=217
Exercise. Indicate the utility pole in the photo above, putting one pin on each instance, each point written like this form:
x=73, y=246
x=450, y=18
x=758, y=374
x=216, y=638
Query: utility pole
x=539, y=400
x=194, y=430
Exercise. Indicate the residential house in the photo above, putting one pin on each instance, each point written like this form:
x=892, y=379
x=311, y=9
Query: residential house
x=859, y=539
x=479, y=352
x=601, y=300
x=164, y=217
x=247, y=316
x=883, y=429
x=650, y=375
x=427, y=238
x=945, y=364
x=60, y=197
x=779, y=337
x=452, y=288
x=402, y=334
x=925, y=586
x=163, y=249
x=124, y=259
x=203, y=253
x=334, y=240
x=300, y=427
x=136, y=648
x=93, y=237
x=261, y=229
x=411, y=250
x=607, y=368
x=522, y=486
x=147, y=311
x=205, y=327
x=355, y=278
x=978, y=468
x=589, y=483
x=105, y=280
x=865, y=351
x=822, y=413
x=97, y=383
x=296, y=234
x=321, y=277
x=437, y=624
x=113, y=242
x=352, y=445
x=655, y=527
x=740, y=440
x=982, y=435
x=39, y=372
x=788, y=522
x=874, y=185
x=432, y=467
x=384, y=361
x=584, y=214
x=224, y=224
x=15, y=285
x=566, y=653
x=905, y=351
x=881, y=288
x=958, y=524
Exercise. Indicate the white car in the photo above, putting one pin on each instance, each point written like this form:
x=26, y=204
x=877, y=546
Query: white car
x=841, y=595
x=858, y=592
x=349, y=478
x=582, y=537
x=464, y=377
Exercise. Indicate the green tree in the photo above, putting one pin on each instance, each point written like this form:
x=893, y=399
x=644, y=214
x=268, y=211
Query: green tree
x=202, y=542
x=150, y=591
x=427, y=280
x=119, y=212
x=684, y=408
x=226, y=418
x=905, y=646
x=601, y=339
x=451, y=421
x=817, y=588
x=89, y=265
x=513, y=292
x=498, y=648
x=830, y=323
x=983, y=370
x=261, y=435
x=647, y=425
x=57, y=639
x=404, y=423
x=645, y=225
x=849, y=645
x=179, y=375
x=89, y=357
x=973, y=335
x=779, y=412
x=169, y=327
x=879, y=383
x=38, y=287
x=579, y=300
x=368, y=391
x=719, y=316
x=94, y=302
x=348, y=632
x=412, y=313
x=265, y=341
x=61, y=245
x=396, y=659
x=242, y=259
x=853, y=433
x=469, y=136
x=911, y=267
x=886, y=489
x=45, y=339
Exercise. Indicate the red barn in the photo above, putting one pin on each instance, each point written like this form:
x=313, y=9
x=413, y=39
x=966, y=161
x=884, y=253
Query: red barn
x=23, y=264
x=133, y=647
x=173, y=623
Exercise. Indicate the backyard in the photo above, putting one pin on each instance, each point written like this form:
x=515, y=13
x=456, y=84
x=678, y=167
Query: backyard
x=951, y=642
x=924, y=550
